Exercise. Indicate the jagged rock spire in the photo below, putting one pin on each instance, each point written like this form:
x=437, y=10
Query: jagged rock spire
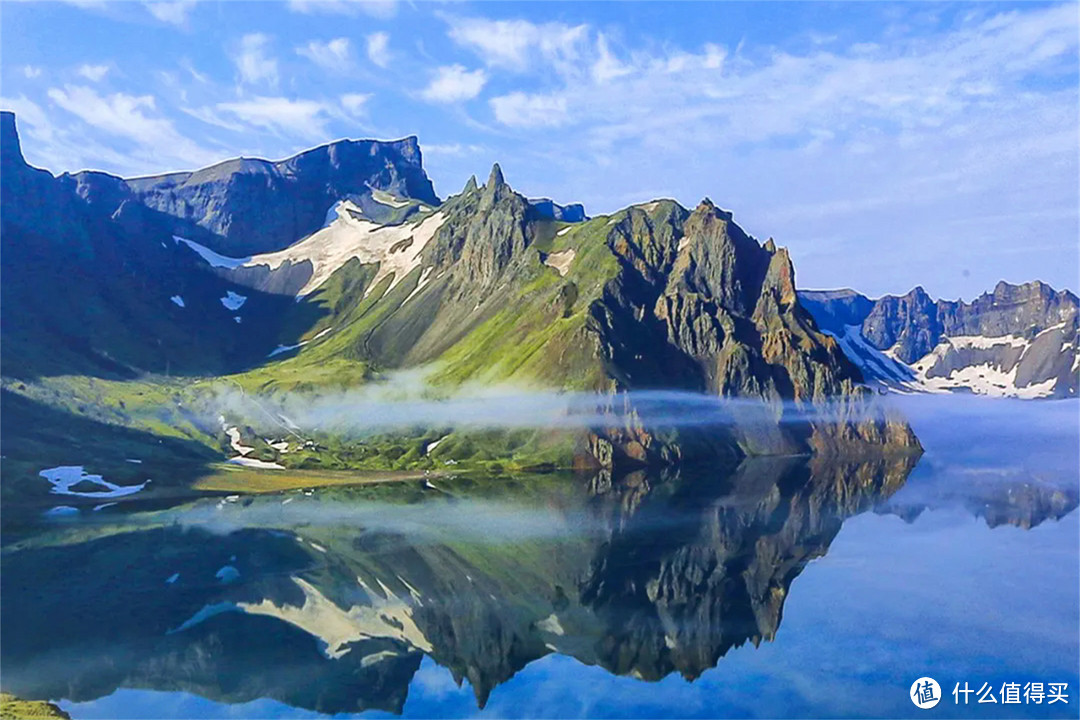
x=496, y=178
x=471, y=185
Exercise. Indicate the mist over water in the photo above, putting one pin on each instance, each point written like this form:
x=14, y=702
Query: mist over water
x=387, y=408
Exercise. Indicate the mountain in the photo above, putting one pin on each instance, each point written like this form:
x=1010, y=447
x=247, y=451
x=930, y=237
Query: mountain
x=486, y=289
x=249, y=206
x=339, y=267
x=92, y=283
x=1017, y=341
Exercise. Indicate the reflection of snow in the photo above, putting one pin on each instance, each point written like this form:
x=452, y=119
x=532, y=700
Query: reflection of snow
x=177, y=300
x=173, y=578
x=227, y=574
x=233, y=300
x=64, y=477
x=61, y=511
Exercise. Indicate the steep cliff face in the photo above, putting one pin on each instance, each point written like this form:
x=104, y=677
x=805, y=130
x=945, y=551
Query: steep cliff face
x=723, y=303
x=248, y=206
x=1019, y=340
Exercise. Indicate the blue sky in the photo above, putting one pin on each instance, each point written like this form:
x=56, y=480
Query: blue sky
x=887, y=145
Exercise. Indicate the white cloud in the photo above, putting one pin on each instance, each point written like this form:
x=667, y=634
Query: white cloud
x=521, y=110
x=517, y=44
x=451, y=150
x=301, y=118
x=607, y=66
x=378, y=49
x=382, y=9
x=93, y=73
x=335, y=55
x=135, y=119
x=253, y=63
x=31, y=71
x=453, y=83
x=355, y=103
x=174, y=12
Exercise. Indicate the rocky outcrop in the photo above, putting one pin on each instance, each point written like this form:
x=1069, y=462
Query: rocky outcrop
x=700, y=305
x=549, y=210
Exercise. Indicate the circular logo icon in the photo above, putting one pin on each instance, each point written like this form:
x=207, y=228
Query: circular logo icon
x=925, y=693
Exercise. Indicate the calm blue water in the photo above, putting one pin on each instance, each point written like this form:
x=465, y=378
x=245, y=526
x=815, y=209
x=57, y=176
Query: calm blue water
x=782, y=589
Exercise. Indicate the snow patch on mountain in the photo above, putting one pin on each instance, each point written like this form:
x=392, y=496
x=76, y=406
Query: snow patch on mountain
x=965, y=363
x=385, y=198
x=395, y=248
x=212, y=258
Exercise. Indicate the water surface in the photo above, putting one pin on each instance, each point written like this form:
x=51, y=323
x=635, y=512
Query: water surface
x=783, y=588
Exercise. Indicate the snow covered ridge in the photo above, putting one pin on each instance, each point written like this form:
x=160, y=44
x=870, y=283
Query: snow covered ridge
x=395, y=248
x=1006, y=366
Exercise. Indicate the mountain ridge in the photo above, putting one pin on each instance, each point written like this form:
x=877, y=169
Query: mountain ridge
x=1014, y=340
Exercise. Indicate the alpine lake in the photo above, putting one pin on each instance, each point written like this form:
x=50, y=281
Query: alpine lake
x=787, y=587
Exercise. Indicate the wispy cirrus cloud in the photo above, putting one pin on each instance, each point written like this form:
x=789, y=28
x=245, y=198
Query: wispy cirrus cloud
x=519, y=44
x=174, y=12
x=520, y=109
x=378, y=49
x=382, y=9
x=355, y=104
x=93, y=73
x=454, y=83
x=333, y=55
x=254, y=63
x=135, y=119
x=296, y=118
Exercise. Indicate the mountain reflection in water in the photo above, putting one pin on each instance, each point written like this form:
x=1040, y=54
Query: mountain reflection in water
x=333, y=599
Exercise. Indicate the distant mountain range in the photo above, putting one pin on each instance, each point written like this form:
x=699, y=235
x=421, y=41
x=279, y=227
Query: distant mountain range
x=1017, y=341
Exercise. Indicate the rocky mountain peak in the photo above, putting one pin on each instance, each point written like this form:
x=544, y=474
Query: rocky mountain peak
x=495, y=179
x=471, y=185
